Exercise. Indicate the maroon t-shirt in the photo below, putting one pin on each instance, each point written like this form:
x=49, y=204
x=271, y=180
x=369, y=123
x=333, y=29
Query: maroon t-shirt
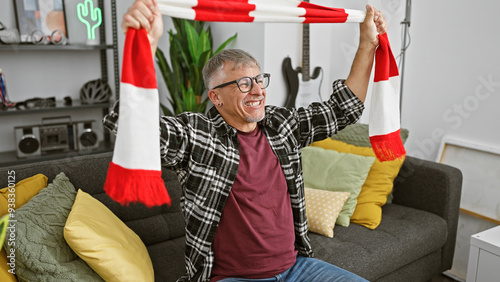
x=255, y=238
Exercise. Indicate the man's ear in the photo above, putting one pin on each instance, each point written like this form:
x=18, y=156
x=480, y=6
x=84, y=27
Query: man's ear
x=213, y=95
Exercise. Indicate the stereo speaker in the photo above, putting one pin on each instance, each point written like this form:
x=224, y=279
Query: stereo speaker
x=88, y=138
x=28, y=141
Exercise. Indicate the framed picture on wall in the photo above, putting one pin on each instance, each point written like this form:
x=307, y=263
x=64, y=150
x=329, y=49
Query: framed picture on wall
x=480, y=166
x=39, y=16
x=480, y=198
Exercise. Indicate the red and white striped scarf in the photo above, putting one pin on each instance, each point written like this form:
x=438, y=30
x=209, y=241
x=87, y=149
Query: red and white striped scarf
x=134, y=174
x=290, y=11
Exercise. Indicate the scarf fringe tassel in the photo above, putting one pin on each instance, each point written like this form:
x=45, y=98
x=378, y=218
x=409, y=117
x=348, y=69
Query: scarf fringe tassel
x=127, y=186
x=388, y=147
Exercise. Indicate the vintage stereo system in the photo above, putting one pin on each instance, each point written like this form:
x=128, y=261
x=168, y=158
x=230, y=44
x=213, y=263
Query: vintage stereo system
x=53, y=137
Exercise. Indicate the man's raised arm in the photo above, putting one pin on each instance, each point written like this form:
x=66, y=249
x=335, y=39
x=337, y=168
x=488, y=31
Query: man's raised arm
x=359, y=76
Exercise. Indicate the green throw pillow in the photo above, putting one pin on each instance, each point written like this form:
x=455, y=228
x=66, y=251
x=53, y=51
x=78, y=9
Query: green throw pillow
x=339, y=172
x=357, y=134
x=41, y=251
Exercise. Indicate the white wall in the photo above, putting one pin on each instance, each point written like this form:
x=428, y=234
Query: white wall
x=452, y=82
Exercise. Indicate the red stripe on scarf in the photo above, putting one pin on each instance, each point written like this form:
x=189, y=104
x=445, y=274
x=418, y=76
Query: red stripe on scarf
x=136, y=185
x=138, y=66
x=223, y=11
x=388, y=147
x=320, y=14
x=386, y=65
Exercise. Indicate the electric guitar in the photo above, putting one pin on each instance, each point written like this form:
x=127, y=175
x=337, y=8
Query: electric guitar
x=303, y=89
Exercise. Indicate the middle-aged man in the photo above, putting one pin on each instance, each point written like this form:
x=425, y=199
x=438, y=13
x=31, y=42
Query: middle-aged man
x=240, y=164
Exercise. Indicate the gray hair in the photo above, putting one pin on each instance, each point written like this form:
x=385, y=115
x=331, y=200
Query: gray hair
x=238, y=57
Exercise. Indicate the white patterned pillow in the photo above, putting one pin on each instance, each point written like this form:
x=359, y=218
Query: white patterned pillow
x=322, y=209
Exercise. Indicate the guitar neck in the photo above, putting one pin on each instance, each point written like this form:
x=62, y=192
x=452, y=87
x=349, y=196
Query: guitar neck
x=305, y=52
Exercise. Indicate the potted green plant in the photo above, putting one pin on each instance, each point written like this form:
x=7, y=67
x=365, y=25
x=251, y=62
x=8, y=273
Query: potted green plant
x=190, y=49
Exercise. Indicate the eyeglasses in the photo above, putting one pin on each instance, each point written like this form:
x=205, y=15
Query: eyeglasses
x=245, y=84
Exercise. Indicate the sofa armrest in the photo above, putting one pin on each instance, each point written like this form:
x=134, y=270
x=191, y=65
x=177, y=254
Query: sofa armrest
x=432, y=187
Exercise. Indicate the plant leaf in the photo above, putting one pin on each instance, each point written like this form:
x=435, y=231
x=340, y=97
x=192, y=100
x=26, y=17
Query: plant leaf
x=195, y=79
x=210, y=38
x=168, y=76
x=223, y=45
x=204, y=57
x=166, y=110
x=198, y=25
x=200, y=108
x=180, y=53
x=189, y=99
x=177, y=78
x=164, y=67
x=204, y=43
x=192, y=39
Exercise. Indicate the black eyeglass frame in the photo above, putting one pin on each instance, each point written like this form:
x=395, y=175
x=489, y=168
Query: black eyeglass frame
x=252, y=79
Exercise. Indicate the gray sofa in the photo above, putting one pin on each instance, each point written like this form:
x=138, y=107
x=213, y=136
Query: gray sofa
x=414, y=242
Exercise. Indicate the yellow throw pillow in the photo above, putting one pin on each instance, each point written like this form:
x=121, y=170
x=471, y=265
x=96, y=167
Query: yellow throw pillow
x=377, y=187
x=102, y=240
x=23, y=191
x=322, y=209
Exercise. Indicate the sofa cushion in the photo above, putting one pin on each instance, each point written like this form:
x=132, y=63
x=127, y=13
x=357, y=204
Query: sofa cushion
x=339, y=172
x=377, y=187
x=404, y=235
x=102, y=240
x=322, y=209
x=358, y=135
x=24, y=190
x=168, y=268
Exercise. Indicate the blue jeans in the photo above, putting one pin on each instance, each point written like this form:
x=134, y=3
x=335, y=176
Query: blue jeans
x=308, y=269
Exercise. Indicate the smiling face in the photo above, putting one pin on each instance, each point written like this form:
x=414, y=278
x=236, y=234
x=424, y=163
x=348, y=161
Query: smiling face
x=240, y=110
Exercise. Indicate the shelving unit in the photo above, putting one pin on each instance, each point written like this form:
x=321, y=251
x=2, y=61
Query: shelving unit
x=31, y=47
x=10, y=158
x=59, y=107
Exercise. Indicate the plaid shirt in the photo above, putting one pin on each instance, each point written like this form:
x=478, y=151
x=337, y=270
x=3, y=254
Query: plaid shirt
x=204, y=152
